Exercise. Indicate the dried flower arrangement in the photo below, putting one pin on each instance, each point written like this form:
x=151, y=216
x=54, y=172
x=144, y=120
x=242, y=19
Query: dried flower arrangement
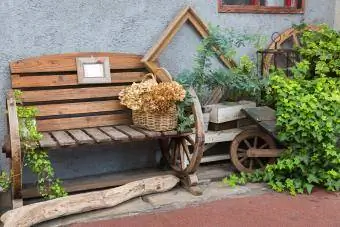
x=149, y=96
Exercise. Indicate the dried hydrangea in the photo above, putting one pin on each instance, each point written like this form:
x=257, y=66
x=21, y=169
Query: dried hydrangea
x=132, y=96
x=151, y=97
x=162, y=96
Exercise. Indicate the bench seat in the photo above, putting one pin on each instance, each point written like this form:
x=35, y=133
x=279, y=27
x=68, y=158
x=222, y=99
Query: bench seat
x=108, y=134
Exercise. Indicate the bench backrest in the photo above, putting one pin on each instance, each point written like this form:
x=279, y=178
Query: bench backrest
x=50, y=83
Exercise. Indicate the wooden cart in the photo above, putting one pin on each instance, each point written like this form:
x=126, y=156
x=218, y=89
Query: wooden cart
x=254, y=148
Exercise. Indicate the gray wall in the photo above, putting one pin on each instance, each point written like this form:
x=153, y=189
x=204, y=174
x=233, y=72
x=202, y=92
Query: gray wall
x=36, y=27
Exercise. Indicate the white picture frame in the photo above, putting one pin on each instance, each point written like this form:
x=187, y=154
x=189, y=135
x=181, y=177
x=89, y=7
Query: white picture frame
x=93, y=70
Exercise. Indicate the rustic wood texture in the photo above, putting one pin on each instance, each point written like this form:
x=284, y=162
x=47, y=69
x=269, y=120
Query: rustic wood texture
x=14, y=137
x=133, y=134
x=63, y=138
x=36, y=213
x=71, y=93
x=47, y=141
x=79, y=108
x=67, y=63
x=151, y=134
x=228, y=111
x=262, y=113
x=264, y=153
x=83, y=122
x=29, y=80
x=80, y=136
x=265, y=117
x=115, y=134
x=185, y=15
x=97, y=135
x=220, y=136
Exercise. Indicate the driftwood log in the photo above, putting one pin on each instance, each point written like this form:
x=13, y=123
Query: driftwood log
x=39, y=212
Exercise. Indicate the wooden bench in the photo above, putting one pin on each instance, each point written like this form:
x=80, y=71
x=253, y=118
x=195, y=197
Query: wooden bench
x=72, y=114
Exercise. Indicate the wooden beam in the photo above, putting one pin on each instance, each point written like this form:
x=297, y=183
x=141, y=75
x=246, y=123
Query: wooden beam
x=264, y=153
x=39, y=212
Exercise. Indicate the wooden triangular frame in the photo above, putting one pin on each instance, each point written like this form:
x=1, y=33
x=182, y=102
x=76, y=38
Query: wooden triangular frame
x=186, y=15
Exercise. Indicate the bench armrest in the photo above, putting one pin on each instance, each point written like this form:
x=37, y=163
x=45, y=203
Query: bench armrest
x=14, y=142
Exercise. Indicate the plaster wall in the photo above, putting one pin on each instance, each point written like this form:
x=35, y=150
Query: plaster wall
x=37, y=27
x=337, y=15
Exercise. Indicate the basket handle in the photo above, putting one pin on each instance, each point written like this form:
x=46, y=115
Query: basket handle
x=149, y=76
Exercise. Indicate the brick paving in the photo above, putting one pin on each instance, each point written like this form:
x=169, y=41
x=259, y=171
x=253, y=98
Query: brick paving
x=272, y=209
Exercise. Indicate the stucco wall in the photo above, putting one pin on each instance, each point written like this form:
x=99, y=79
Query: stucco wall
x=337, y=15
x=36, y=27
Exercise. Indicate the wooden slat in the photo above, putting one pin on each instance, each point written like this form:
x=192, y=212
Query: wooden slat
x=63, y=138
x=97, y=135
x=29, y=81
x=82, y=122
x=148, y=133
x=170, y=133
x=115, y=134
x=67, y=62
x=69, y=94
x=80, y=136
x=78, y=108
x=47, y=141
x=131, y=132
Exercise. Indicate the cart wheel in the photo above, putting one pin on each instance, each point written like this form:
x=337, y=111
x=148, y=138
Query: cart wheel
x=250, y=139
x=182, y=155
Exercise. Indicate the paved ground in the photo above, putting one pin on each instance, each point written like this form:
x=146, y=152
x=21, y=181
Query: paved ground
x=270, y=209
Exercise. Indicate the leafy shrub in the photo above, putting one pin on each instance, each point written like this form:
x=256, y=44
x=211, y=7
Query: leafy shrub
x=320, y=52
x=308, y=120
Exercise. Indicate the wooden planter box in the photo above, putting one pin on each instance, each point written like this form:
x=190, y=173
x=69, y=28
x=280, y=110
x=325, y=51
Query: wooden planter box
x=228, y=115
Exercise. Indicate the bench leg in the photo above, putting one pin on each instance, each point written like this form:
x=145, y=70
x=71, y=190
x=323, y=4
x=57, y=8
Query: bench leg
x=190, y=183
x=17, y=203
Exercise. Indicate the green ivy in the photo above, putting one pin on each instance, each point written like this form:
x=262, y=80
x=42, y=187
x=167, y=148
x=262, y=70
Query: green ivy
x=35, y=158
x=308, y=120
x=320, y=52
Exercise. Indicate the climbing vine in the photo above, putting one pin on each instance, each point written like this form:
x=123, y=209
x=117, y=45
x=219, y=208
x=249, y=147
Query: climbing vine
x=35, y=158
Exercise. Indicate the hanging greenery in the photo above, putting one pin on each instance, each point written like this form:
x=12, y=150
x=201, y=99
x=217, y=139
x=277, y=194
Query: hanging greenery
x=34, y=157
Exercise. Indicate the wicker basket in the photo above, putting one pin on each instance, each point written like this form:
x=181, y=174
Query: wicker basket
x=155, y=121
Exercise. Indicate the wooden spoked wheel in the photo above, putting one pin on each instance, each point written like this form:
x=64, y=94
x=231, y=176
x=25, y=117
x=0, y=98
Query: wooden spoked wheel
x=246, y=140
x=286, y=40
x=182, y=155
